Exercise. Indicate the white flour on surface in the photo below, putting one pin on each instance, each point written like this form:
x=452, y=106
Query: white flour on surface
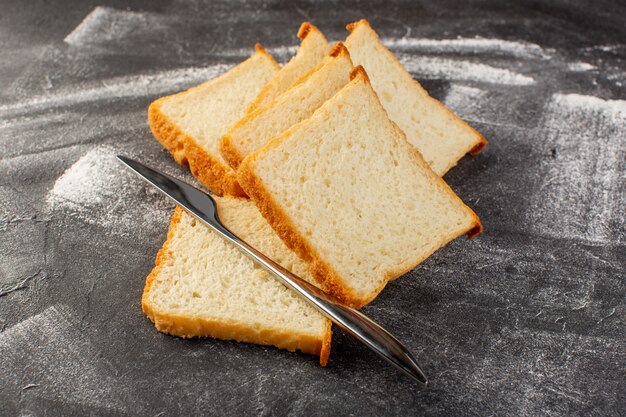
x=62, y=365
x=452, y=69
x=142, y=85
x=98, y=189
x=615, y=110
x=580, y=66
x=464, y=101
x=27, y=121
x=581, y=195
x=108, y=24
x=516, y=49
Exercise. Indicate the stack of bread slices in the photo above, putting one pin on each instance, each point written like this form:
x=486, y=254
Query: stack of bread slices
x=330, y=165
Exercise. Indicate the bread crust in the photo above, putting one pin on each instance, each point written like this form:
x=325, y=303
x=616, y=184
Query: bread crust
x=326, y=342
x=209, y=171
x=339, y=49
x=329, y=280
x=229, y=150
x=187, y=327
x=305, y=29
x=261, y=50
x=336, y=51
x=479, y=140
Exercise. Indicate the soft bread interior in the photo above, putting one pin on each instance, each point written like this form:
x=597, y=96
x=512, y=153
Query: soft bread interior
x=190, y=124
x=440, y=136
x=312, y=50
x=291, y=107
x=203, y=286
x=351, y=195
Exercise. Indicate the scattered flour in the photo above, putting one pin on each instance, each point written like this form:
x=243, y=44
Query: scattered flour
x=108, y=24
x=142, y=85
x=467, y=45
x=48, y=354
x=615, y=110
x=453, y=69
x=608, y=48
x=582, y=194
x=463, y=100
x=97, y=189
x=580, y=66
x=25, y=121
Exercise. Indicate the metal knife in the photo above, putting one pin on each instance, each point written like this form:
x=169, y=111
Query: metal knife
x=202, y=206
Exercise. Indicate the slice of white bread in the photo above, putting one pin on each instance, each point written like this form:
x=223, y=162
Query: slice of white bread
x=441, y=137
x=313, y=48
x=190, y=124
x=348, y=193
x=203, y=286
x=291, y=107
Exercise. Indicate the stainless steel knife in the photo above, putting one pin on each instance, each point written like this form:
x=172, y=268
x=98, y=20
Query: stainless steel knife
x=202, y=206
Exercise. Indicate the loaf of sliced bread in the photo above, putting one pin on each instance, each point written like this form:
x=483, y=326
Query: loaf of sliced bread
x=294, y=105
x=313, y=48
x=202, y=286
x=441, y=137
x=190, y=124
x=348, y=193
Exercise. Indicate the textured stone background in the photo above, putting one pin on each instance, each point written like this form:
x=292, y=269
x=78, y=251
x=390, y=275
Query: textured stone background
x=527, y=319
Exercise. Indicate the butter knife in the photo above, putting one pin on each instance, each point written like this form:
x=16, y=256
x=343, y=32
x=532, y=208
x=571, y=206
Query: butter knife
x=202, y=206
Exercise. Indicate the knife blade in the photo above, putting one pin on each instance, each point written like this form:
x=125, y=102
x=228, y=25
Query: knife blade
x=202, y=206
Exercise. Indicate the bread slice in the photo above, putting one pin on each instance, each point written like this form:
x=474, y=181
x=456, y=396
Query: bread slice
x=203, y=286
x=441, y=137
x=291, y=107
x=348, y=193
x=313, y=48
x=190, y=124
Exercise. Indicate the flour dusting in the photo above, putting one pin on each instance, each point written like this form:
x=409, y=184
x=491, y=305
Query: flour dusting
x=142, y=85
x=452, y=69
x=464, y=100
x=580, y=66
x=108, y=24
x=581, y=195
x=61, y=364
x=615, y=110
x=516, y=49
x=98, y=189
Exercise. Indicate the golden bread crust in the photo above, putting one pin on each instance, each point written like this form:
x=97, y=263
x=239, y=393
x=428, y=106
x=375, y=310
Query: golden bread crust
x=330, y=281
x=260, y=49
x=162, y=256
x=187, y=327
x=209, y=171
x=359, y=71
x=480, y=141
x=325, y=350
x=229, y=150
x=339, y=49
x=304, y=30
